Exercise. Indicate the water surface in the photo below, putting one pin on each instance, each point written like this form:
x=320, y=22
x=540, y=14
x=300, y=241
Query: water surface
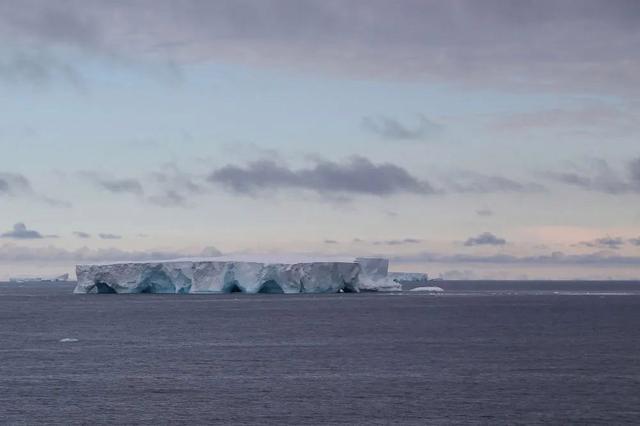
x=482, y=353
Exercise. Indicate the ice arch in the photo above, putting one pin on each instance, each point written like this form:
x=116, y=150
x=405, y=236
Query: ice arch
x=103, y=288
x=271, y=287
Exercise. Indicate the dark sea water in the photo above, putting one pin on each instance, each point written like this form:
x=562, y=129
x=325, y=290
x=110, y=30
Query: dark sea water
x=482, y=353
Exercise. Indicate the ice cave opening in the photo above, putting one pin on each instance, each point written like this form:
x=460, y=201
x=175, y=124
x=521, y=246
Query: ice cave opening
x=232, y=287
x=271, y=287
x=104, y=288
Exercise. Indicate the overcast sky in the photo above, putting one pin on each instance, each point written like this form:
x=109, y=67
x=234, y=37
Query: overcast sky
x=471, y=139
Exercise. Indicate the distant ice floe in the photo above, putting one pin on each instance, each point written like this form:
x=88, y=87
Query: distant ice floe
x=222, y=276
x=428, y=289
x=57, y=278
x=68, y=340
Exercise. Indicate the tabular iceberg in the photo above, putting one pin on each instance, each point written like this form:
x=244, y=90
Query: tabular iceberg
x=213, y=276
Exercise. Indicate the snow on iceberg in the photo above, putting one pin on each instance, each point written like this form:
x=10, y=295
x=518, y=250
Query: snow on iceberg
x=229, y=276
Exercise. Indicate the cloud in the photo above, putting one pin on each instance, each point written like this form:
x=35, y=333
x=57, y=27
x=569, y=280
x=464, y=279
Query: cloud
x=169, y=198
x=17, y=185
x=634, y=241
x=601, y=258
x=486, y=238
x=484, y=212
x=356, y=176
x=591, y=117
x=14, y=253
x=170, y=187
x=398, y=242
x=478, y=183
x=110, y=236
x=580, y=45
x=176, y=187
x=634, y=172
x=38, y=68
x=330, y=242
x=54, y=202
x=20, y=232
x=116, y=186
x=81, y=234
x=607, y=242
x=391, y=129
x=598, y=176
x=13, y=184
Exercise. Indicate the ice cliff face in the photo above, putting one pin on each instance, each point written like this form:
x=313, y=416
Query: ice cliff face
x=221, y=277
x=408, y=277
x=374, y=275
x=160, y=277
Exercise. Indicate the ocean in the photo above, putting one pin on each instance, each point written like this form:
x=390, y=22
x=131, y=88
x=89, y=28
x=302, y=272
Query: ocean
x=481, y=353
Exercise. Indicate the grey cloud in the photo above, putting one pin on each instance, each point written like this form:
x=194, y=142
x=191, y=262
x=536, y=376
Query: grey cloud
x=170, y=187
x=17, y=185
x=634, y=172
x=330, y=242
x=484, y=212
x=478, y=183
x=590, y=117
x=581, y=45
x=389, y=128
x=608, y=242
x=39, y=69
x=176, y=187
x=13, y=253
x=598, y=176
x=358, y=175
x=486, y=238
x=109, y=236
x=169, y=198
x=634, y=241
x=81, y=234
x=54, y=202
x=20, y=232
x=132, y=186
x=13, y=184
x=554, y=258
x=398, y=242
x=115, y=185
x=172, y=176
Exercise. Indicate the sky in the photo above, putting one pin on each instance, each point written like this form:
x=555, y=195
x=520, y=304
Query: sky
x=465, y=139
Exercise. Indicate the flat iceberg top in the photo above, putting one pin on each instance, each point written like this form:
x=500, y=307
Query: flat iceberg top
x=275, y=259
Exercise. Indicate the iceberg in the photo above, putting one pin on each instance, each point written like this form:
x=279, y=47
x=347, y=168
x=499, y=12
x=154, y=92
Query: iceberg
x=408, y=277
x=57, y=278
x=222, y=276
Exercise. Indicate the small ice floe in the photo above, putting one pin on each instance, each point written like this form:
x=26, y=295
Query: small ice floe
x=428, y=289
x=68, y=340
